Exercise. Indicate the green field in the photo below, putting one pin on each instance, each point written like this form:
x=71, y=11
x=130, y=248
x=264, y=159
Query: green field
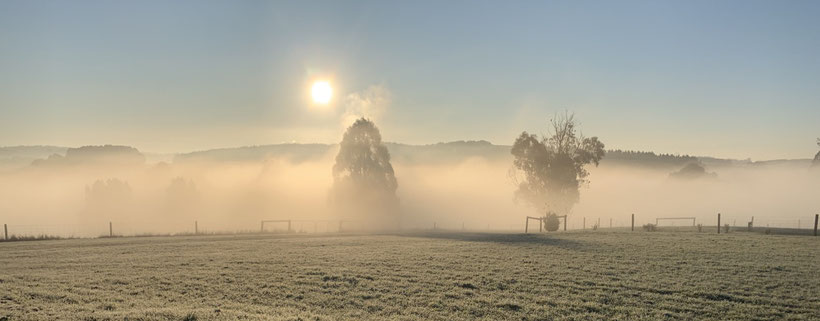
x=423, y=276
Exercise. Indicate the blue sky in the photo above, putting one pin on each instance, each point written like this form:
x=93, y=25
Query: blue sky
x=725, y=78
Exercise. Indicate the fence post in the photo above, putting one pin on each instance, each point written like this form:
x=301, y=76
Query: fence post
x=584, y=227
x=196, y=227
x=718, y=223
x=288, y=226
x=633, y=222
x=541, y=225
x=6, y=230
x=527, y=225
x=110, y=230
x=565, y=223
x=815, y=223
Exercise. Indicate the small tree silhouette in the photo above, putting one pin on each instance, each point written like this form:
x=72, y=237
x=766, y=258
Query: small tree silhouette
x=692, y=171
x=181, y=196
x=107, y=198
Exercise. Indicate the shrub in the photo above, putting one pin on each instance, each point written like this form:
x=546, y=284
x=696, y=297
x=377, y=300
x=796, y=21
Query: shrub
x=552, y=223
x=650, y=227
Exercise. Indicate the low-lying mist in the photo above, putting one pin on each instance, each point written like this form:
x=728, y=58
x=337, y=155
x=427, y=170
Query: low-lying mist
x=473, y=193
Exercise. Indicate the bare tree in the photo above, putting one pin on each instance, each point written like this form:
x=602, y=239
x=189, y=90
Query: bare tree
x=816, y=162
x=550, y=170
x=364, y=184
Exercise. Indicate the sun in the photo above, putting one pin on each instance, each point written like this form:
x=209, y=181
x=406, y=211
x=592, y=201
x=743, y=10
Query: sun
x=321, y=92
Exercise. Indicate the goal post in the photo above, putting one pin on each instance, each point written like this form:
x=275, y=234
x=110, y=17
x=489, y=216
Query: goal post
x=540, y=224
x=262, y=224
x=657, y=220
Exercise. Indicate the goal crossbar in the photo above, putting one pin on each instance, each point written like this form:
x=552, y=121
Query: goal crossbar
x=541, y=222
x=262, y=225
x=675, y=218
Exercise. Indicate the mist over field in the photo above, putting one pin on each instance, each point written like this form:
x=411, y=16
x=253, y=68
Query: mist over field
x=454, y=186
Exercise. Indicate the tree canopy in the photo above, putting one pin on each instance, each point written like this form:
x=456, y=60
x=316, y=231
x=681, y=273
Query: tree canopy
x=550, y=170
x=364, y=183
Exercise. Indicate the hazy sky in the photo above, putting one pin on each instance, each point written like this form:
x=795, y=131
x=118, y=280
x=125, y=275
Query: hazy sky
x=726, y=78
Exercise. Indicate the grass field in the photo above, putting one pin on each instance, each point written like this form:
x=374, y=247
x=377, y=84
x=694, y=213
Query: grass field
x=422, y=276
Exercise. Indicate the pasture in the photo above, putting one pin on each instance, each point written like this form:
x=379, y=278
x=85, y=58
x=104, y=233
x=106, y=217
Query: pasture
x=576, y=275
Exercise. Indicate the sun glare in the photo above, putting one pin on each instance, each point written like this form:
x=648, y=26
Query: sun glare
x=321, y=92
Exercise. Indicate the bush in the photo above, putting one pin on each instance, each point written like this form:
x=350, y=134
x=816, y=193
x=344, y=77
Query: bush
x=650, y=227
x=552, y=223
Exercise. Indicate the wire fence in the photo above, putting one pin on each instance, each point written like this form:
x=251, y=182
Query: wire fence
x=800, y=225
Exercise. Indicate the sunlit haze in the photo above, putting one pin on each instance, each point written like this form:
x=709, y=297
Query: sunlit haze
x=211, y=160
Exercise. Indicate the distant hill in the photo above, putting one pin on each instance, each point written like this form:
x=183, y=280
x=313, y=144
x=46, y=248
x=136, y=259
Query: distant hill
x=294, y=152
x=647, y=159
x=450, y=152
x=447, y=152
x=434, y=153
x=95, y=155
x=22, y=156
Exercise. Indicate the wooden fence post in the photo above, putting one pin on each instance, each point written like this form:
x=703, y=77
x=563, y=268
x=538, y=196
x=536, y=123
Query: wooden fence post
x=584, y=227
x=633, y=222
x=565, y=223
x=196, y=227
x=718, y=223
x=541, y=225
x=527, y=225
x=110, y=230
x=6, y=230
x=815, y=223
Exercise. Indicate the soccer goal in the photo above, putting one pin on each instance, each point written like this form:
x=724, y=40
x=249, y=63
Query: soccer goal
x=657, y=220
x=280, y=222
